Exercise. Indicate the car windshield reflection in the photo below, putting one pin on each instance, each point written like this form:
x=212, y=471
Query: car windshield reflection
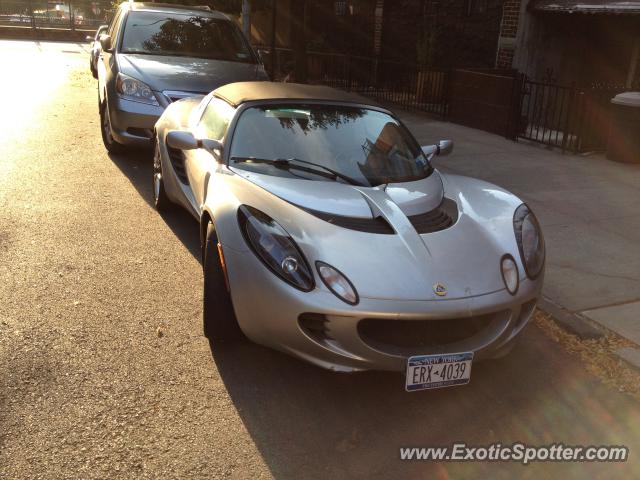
x=367, y=145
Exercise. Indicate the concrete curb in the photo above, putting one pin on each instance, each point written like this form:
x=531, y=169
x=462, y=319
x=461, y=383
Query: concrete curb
x=573, y=323
x=630, y=355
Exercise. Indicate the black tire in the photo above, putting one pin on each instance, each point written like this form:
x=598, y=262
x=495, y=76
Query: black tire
x=220, y=323
x=110, y=143
x=160, y=199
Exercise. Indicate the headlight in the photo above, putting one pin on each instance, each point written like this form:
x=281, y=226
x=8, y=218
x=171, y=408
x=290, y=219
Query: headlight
x=273, y=245
x=510, y=274
x=337, y=283
x=132, y=89
x=530, y=240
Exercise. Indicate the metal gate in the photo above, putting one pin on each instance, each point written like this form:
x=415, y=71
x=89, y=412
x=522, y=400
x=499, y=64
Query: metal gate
x=571, y=118
x=485, y=99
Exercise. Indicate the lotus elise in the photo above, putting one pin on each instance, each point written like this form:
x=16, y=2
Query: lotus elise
x=328, y=234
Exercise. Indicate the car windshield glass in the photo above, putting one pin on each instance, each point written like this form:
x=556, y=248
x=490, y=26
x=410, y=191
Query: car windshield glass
x=366, y=145
x=159, y=33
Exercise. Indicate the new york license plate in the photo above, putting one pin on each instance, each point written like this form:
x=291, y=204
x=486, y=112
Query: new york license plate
x=437, y=371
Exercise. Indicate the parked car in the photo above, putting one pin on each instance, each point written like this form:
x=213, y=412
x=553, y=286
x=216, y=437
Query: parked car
x=328, y=234
x=94, y=55
x=154, y=54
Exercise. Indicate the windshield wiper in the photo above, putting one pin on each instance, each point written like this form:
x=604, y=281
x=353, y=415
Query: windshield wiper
x=291, y=163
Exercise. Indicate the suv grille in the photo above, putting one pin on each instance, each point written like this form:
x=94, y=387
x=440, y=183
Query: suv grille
x=174, y=96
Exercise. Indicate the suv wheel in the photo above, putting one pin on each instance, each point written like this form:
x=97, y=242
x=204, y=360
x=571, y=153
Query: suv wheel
x=160, y=199
x=110, y=143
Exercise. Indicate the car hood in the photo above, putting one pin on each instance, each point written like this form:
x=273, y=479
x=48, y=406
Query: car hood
x=335, y=198
x=405, y=265
x=185, y=73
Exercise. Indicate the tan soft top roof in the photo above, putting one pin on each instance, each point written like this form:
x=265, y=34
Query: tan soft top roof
x=241, y=92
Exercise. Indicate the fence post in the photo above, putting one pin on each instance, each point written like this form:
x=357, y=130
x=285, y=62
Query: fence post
x=516, y=106
x=274, y=13
x=71, y=20
x=570, y=109
x=448, y=93
x=33, y=20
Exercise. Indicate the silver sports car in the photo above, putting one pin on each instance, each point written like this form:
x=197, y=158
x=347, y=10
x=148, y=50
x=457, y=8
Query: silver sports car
x=328, y=234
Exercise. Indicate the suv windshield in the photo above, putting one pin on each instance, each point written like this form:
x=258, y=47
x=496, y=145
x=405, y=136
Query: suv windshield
x=159, y=33
x=369, y=146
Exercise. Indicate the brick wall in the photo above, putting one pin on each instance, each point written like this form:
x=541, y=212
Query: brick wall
x=508, y=32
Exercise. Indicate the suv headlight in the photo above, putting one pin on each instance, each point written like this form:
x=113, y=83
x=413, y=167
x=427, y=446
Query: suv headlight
x=530, y=240
x=135, y=90
x=273, y=245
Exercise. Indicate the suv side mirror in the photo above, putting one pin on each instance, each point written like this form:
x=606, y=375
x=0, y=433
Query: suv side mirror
x=105, y=42
x=102, y=29
x=184, y=140
x=443, y=147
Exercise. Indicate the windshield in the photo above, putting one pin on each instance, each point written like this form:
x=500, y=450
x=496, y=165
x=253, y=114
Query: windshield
x=159, y=33
x=368, y=146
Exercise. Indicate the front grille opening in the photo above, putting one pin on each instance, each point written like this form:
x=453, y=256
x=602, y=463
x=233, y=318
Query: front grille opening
x=140, y=132
x=369, y=225
x=525, y=312
x=440, y=218
x=176, y=157
x=315, y=325
x=420, y=334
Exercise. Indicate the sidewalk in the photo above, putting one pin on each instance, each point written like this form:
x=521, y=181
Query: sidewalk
x=589, y=208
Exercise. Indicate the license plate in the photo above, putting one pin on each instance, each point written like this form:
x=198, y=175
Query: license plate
x=436, y=371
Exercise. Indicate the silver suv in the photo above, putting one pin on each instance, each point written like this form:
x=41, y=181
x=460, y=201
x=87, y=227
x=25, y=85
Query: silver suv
x=154, y=54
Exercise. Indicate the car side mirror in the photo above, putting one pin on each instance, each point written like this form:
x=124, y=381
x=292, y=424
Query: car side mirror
x=105, y=42
x=443, y=147
x=183, y=140
x=262, y=54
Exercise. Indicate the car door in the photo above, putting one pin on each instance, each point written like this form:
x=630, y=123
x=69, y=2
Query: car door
x=201, y=163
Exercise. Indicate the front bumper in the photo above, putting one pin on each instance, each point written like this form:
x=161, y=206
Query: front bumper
x=321, y=329
x=132, y=122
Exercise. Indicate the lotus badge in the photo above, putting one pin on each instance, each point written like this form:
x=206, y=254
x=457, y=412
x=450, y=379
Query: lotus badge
x=440, y=290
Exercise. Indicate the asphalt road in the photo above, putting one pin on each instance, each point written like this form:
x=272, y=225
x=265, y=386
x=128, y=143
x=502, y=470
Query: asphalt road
x=104, y=372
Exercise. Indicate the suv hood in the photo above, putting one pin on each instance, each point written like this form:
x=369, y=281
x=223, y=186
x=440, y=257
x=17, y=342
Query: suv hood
x=187, y=74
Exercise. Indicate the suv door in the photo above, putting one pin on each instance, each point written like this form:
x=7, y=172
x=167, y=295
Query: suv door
x=107, y=60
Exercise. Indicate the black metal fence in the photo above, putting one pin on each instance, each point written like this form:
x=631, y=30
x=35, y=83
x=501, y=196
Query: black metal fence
x=571, y=118
x=407, y=85
x=72, y=15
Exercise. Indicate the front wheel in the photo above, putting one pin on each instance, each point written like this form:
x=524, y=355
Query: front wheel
x=220, y=323
x=160, y=199
x=110, y=143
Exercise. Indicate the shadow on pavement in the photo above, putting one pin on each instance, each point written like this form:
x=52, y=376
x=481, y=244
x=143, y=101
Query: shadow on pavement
x=311, y=423
x=137, y=167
